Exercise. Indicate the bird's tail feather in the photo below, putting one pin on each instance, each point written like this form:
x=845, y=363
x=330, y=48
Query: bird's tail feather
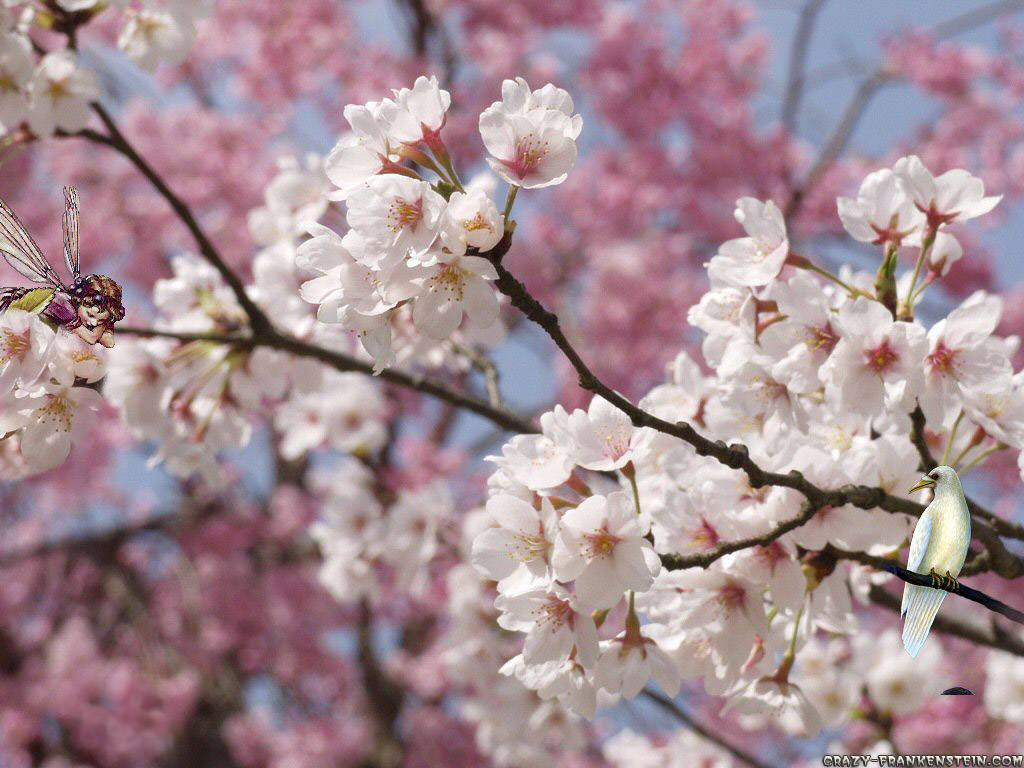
x=920, y=604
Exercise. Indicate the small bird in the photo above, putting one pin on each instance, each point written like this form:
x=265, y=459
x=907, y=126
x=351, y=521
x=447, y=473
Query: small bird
x=938, y=548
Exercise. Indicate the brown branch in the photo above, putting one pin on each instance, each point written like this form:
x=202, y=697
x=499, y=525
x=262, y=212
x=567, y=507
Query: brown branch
x=275, y=339
x=384, y=696
x=924, y=580
x=117, y=141
x=670, y=706
x=674, y=562
x=997, y=638
x=869, y=86
x=737, y=455
x=798, y=61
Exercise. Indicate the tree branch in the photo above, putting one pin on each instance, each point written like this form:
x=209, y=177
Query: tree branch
x=997, y=638
x=870, y=85
x=274, y=339
x=670, y=706
x=797, y=62
x=923, y=580
x=117, y=141
x=674, y=562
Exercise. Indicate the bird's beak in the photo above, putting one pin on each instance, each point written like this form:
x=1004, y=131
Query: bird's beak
x=925, y=482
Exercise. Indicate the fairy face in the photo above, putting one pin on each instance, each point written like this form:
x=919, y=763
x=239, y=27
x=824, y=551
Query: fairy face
x=97, y=324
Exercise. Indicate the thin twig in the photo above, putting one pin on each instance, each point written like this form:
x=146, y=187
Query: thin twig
x=274, y=339
x=117, y=141
x=673, y=562
x=870, y=85
x=670, y=706
x=486, y=366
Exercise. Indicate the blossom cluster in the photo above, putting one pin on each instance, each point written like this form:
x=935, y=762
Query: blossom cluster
x=810, y=374
x=413, y=249
x=55, y=92
x=46, y=405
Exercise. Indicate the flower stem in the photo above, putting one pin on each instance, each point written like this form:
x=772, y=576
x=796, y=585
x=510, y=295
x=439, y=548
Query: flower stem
x=976, y=439
x=803, y=263
x=636, y=491
x=790, y=656
x=981, y=457
x=513, y=190
x=926, y=246
x=951, y=438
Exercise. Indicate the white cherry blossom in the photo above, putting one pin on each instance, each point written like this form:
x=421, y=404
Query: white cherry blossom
x=758, y=258
x=602, y=547
x=452, y=289
x=877, y=362
x=60, y=92
x=524, y=536
x=16, y=65
x=397, y=215
x=955, y=195
x=632, y=658
x=555, y=624
x=417, y=113
x=962, y=355
x=882, y=212
x=531, y=136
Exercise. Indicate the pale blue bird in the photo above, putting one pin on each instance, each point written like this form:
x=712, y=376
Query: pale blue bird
x=938, y=548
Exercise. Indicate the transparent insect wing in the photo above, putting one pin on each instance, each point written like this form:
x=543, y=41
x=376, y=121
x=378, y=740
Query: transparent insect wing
x=21, y=252
x=70, y=223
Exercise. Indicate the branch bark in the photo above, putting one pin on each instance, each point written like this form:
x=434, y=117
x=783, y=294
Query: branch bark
x=922, y=580
x=670, y=706
x=275, y=339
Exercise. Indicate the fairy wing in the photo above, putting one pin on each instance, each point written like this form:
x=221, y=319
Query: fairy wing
x=70, y=222
x=21, y=252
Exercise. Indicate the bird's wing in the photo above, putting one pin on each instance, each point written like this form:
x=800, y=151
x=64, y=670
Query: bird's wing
x=918, y=546
x=919, y=542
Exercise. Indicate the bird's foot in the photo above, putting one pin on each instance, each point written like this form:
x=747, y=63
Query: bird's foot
x=944, y=581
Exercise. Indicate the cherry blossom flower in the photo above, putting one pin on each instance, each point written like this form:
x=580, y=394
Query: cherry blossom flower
x=152, y=36
x=882, y=212
x=452, y=289
x=535, y=461
x=878, y=362
x=531, y=136
x=801, y=342
x=25, y=347
x=758, y=258
x=555, y=624
x=59, y=94
x=955, y=195
x=56, y=414
x=475, y=222
x=16, y=66
x=418, y=113
x=632, y=658
x=1004, y=686
x=363, y=153
x=398, y=215
x=601, y=546
x=524, y=536
x=771, y=696
x=601, y=438
x=962, y=355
